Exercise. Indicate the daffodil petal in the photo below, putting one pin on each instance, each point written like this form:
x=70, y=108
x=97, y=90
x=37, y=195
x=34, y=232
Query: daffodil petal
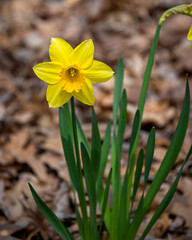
x=85, y=95
x=56, y=97
x=48, y=72
x=98, y=72
x=60, y=51
x=82, y=55
x=189, y=36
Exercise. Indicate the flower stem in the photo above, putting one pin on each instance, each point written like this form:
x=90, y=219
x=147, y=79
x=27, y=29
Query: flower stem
x=75, y=130
x=81, y=192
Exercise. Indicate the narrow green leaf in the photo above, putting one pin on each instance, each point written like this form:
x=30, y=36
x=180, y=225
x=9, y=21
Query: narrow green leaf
x=68, y=147
x=88, y=173
x=104, y=156
x=95, y=146
x=122, y=123
x=68, y=119
x=116, y=175
x=173, y=149
x=135, y=129
x=115, y=164
x=123, y=208
x=134, y=143
x=82, y=138
x=166, y=199
x=127, y=183
x=99, y=186
x=115, y=209
x=167, y=163
x=81, y=192
x=51, y=217
x=79, y=219
x=117, y=142
x=137, y=174
x=117, y=90
x=74, y=171
x=149, y=155
x=145, y=88
x=148, y=72
x=116, y=101
x=75, y=137
x=105, y=198
x=91, y=189
x=127, y=234
x=128, y=179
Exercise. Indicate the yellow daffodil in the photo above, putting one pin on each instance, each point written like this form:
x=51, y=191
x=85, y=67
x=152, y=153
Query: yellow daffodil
x=189, y=36
x=71, y=72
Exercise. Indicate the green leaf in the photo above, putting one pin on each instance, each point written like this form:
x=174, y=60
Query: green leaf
x=122, y=123
x=80, y=191
x=118, y=90
x=115, y=209
x=137, y=174
x=51, y=217
x=135, y=129
x=145, y=87
x=79, y=219
x=104, y=156
x=104, y=203
x=66, y=131
x=88, y=173
x=127, y=182
x=134, y=142
x=148, y=71
x=149, y=155
x=68, y=146
x=167, y=163
x=127, y=234
x=99, y=186
x=82, y=138
x=123, y=208
x=116, y=102
x=115, y=165
x=68, y=120
x=166, y=199
x=91, y=189
x=95, y=146
x=117, y=142
x=116, y=158
x=173, y=149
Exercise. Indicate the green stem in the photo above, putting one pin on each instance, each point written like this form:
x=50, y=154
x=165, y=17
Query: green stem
x=81, y=193
x=141, y=105
x=75, y=132
x=148, y=74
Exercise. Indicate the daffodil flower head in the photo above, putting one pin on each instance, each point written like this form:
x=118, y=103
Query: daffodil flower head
x=189, y=36
x=71, y=72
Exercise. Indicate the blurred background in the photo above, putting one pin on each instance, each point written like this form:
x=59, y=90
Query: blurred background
x=30, y=146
